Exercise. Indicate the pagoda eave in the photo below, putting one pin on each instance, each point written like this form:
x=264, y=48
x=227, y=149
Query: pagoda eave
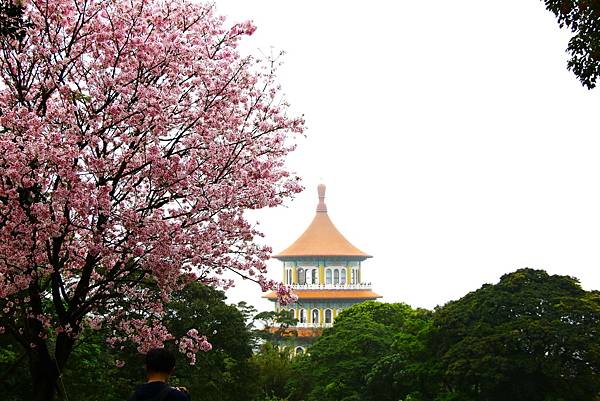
x=330, y=294
x=289, y=257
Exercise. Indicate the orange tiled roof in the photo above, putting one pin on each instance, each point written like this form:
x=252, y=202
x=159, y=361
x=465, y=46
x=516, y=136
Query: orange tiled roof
x=330, y=294
x=321, y=238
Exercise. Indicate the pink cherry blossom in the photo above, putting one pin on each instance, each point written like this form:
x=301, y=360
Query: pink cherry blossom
x=134, y=137
x=191, y=343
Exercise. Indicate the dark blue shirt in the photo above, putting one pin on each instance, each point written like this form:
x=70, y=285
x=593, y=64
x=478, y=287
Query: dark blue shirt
x=148, y=391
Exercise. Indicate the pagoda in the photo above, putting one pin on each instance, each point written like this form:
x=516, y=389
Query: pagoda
x=325, y=270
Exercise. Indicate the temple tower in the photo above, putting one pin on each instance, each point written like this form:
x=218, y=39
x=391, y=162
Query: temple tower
x=325, y=271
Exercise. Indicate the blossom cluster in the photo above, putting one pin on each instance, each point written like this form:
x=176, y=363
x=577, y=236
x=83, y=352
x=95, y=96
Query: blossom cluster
x=191, y=343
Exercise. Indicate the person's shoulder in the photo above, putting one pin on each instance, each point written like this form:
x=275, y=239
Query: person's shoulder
x=142, y=392
x=176, y=395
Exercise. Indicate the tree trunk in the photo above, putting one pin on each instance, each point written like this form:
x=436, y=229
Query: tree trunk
x=44, y=375
x=45, y=370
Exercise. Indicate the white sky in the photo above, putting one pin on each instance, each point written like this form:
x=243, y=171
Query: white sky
x=455, y=145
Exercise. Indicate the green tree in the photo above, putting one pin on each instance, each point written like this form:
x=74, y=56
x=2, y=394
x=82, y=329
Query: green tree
x=274, y=364
x=14, y=374
x=92, y=374
x=582, y=17
x=406, y=372
x=338, y=363
x=226, y=373
x=531, y=337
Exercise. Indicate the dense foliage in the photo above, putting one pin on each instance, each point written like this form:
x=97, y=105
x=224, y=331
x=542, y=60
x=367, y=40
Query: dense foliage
x=582, y=17
x=530, y=337
x=339, y=361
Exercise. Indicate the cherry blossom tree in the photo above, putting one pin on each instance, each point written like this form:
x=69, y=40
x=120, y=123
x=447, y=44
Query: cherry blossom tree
x=133, y=136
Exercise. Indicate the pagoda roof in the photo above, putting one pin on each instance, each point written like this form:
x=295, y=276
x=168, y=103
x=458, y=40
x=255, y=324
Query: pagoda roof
x=329, y=294
x=321, y=238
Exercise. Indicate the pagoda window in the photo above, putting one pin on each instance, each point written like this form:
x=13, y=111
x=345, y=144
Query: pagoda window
x=292, y=314
x=314, y=277
x=301, y=276
x=328, y=276
x=328, y=316
x=343, y=276
x=302, y=315
x=289, y=276
x=315, y=316
x=336, y=276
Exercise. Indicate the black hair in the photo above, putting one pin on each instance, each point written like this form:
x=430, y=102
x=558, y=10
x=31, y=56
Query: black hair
x=160, y=360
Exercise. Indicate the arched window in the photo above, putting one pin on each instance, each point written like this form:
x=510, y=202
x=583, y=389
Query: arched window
x=301, y=276
x=328, y=276
x=354, y=276
x=302, y=316
x=289, y=276
x=343, y=276
x=299, y=350
x=314, y=277
x=336, y=276
x=328, y=316
x=315, y=316
x=292, y=314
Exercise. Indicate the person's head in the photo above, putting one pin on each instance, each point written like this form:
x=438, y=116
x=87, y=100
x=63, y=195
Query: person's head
x=160, y=360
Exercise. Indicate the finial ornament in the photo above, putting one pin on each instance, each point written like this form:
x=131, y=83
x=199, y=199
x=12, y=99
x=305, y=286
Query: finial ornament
x=321, y=207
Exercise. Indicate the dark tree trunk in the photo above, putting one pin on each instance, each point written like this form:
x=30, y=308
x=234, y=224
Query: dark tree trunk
x=45, y=370
x=44, y=375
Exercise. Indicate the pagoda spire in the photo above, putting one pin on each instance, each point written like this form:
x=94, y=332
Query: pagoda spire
x=321, y=206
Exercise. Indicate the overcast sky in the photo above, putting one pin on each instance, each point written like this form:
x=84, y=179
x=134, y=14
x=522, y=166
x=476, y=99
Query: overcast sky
x=454, y=144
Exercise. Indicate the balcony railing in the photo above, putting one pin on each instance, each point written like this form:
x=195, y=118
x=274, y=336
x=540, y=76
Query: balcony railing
x=360, y=286
x=312, y=325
